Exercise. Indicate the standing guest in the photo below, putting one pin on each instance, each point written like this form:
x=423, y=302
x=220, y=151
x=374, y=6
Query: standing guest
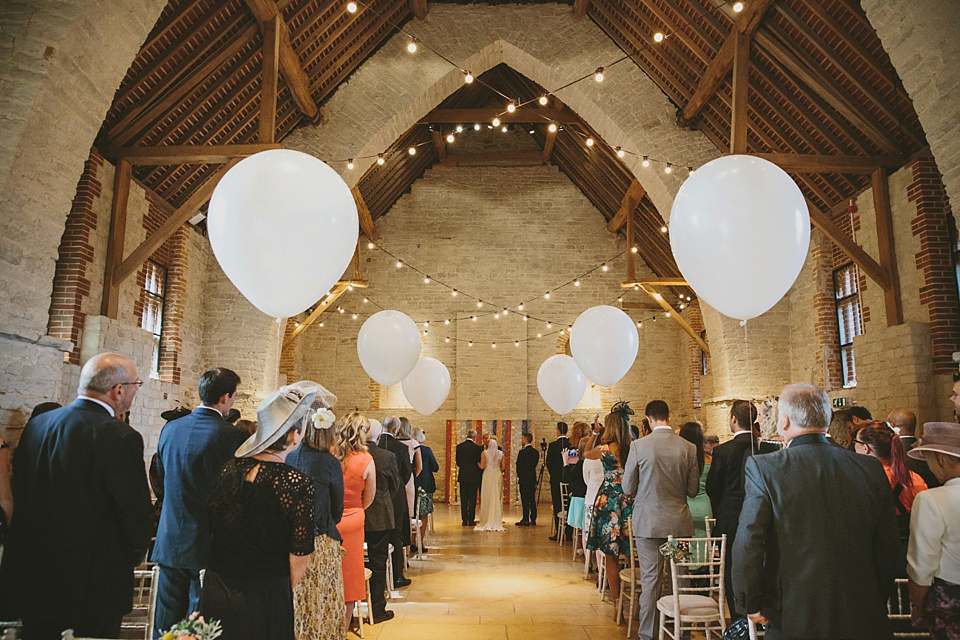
x=578, y=491
x=784, y=574
x=527, y=460
x=318, y=603
x=83, y=517
x=709, y=443
x=593, y=477
x=43, y=407
x=156, y=479
x=400, y=537
x=555, y=468
x=404, y=434
x=425, y=481
x=881, y=442
x=261, y=516
x=933, y=557
x=662, y=472
x=378, y=524
x=904, y=422
x=232, y=417
x=608, y=533
x=359, y=488
x=645, y=428
x=469, y=475
x=246, y=427
x=854, y=419
x=700, y=507
x=190, y=453
x=724, y=483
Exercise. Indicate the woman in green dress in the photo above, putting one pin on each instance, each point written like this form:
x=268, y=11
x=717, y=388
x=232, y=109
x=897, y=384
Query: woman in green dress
x=700, y=505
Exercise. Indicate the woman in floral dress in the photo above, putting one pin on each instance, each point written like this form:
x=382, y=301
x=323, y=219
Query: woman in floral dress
x=608, y=527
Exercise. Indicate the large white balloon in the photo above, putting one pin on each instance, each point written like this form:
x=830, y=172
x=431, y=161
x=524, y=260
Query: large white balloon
x=427, y=386
x=604, y=342
x=561, y=383
x=740, y=231
x=283, y=226
x=388, y=346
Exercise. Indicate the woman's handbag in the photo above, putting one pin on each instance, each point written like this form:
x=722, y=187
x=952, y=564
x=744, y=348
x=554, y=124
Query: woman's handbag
x=739, y=630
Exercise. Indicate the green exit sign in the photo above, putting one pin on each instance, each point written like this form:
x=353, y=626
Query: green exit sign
x=839, y=403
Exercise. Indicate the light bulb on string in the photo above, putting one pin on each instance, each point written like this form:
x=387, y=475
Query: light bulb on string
x=426, y=281
x=494, y=345
x=543, y=100
x=496, y=122
x=658, y=37
x=520, y=307
x=503, y=128
x=370, y=245
x=447, y=340
x=505, y=312
x=474, y=318
x=459, y=128
x=737, y=7
x=380, y=159
x=539, y=335
x=352, y=7
x=467, y=77
x=666, y=315
x=450, y=138
x=412, y=151
x=350, y=164
x=604, y=267
x=354, y=316
x=640, y=324
x=470, y=344
x=552, y=127
x=682, y=306
x=668, y=168
x=454, y=293
x=340, y=309
x=526, y=318
x=516, y=343
x=446, y=322
x=636, y=287
x=620, y=152
x=349, y=287
x=546, y=295
x=321, y=324
x=620, y=299
x=598, y=75
x=412, y=46
x=646, y=162
x=496, y=316
x=426, y=324
x=511, y=107
x=365, y=300
x=589, y=142
x=633, y=249
x=399, y=263
x=479, y=304
x=476, y=127
x=576, y=283
x=663, y=229
x=690, y=171
x=549, y=325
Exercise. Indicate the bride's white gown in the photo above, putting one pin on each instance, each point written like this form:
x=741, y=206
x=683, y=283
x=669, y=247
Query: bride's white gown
x=491, y=493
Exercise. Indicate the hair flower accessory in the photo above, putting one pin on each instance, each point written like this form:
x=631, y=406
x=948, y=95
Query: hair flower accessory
x=323, y=419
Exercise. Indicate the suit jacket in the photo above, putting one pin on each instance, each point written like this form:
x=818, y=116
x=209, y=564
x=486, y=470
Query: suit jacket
x=83, y=518
x=468, y=462
x=402, y=453
x=725, y=479
x=817, y=549
x=190, y=453
x=555, y=458
x=379, y=515
x=527, y=461
x=662, y=472
x=425, y=480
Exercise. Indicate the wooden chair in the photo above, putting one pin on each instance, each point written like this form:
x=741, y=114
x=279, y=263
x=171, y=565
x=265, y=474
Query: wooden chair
x=10, y=630
x=710, y=525
x=752, y=629
x=562, y=515
x=898, y=611
x=629, y=577
x=144, y=602
x=700, y=607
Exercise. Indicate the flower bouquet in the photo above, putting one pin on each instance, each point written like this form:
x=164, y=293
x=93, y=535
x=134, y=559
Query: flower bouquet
x=676, y=550
x=194, y=628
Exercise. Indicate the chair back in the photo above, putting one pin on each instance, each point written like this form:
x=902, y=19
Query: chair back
x=565, y=495
x=703, y=553
x=709, y=525
x=899, y=611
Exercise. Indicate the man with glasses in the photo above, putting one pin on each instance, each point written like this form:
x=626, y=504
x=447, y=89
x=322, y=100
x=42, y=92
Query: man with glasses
x=83, y=514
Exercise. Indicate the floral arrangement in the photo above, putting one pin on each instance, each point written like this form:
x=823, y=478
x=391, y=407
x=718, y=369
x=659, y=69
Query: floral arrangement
x=323, y=419
x=194, y=628
x=676, y=550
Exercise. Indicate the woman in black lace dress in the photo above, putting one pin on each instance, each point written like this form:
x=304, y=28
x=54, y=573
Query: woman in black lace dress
x=261, y=515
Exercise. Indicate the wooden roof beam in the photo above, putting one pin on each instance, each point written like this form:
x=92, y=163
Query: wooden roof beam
x=631, y=200
x=803, y=163
x=666, y=306
x=419, y=9
x=326, y=303
x=514, y=158
x=580, y=8
x=548, y=143
x=846, y=244
x=485, y=116
x=747, y=24
x=186, y=154
x=293, y=73
x=366, y=220
x=439, y=145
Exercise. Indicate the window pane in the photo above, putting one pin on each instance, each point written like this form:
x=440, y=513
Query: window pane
x=845, y=281
x=849, y=368
x=848, y=320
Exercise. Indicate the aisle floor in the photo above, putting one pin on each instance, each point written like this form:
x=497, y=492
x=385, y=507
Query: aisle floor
x=484, y=585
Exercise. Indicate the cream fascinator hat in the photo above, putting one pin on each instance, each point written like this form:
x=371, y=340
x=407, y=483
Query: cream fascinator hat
x=282, y=410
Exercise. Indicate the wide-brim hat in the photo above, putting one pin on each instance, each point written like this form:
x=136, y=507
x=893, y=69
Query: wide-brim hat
x=281, y=410
x=941, y=437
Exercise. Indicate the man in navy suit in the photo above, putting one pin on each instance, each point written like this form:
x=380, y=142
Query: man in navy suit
x=190, y=454
x=83, y=518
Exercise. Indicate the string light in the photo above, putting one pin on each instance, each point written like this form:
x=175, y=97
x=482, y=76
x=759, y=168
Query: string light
x=633, y=249
x=553, y=127
x=668, y=168
x=511, y=107
x=496, y=316
x=599, y=74
x=504, y=129
x=426, y=324
x=380, y=159
x=340, y=309
x=454, y=293
x=620, y=299
x=350, y=164
x=576, y=283
x=496, y=122
x=620, y=152
x=370, y=245
x=459, y=128
x=349, y=287
x=546, y=296
x=321, y=324
x=412, y=47
x=604, y=267
x=516, y=343
x=505, y=312
x=543, y=100
x=446, y=322
x=690, y=171
x=520, y=307
x=494, y=345
x=365, y=300
x=352, y=7
x=354, y=316
x=549, y=325
x=658, y=37
x=412, y=151
x=470, y=343
x=640, y=324
x=474, y=318
x=479, y=304
x=476, y=127
x=447, y=340
x=646, y=162
x=467, y=77
x=539, y=335
x=737, y=7
x=426, y=281
x=589, y=142
x=526, y=318
x=663, y=229
x=399, y=263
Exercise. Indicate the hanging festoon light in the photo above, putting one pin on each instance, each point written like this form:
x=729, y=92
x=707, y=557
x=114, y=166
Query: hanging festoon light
x=352, y=7
x=467, y=77
x=543, y=100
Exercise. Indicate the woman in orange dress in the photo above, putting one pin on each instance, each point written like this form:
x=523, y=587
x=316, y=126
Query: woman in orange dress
x=359, y=487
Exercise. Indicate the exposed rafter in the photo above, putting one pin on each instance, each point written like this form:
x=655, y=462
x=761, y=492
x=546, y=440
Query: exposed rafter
x=214, y=154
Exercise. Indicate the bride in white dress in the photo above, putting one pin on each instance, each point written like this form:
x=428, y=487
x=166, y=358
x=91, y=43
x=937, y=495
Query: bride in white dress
x=491, y=489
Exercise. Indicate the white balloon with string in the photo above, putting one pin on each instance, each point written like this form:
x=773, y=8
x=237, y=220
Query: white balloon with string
x=388, y=346
x=561, y=383
x=427, y=386
x=604, y=342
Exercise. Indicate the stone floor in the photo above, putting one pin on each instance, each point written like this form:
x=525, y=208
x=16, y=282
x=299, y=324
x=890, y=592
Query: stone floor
x=497, y=586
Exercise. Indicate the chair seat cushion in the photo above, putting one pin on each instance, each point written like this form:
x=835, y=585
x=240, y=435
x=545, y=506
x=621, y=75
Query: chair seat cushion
x=630, y=575
x=690, y=605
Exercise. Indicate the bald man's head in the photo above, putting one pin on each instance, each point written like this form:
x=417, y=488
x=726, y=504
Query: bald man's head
x=110, y=378
x=905, y=420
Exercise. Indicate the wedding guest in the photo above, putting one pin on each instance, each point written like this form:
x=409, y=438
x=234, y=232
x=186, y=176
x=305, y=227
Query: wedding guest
x=904, y=422
x=527, y=459
x=700, y=507
x=593, y=478
x=404, y=434
x=607, y=530
x=709, y=442
x=933, y=556
x=578, y=492
x=425, y=481
x=156, y=479
x=378, y=524
x=359, y=488
x=555, y=469
x=83, y=517
x=854, y=419
x=400, y=537
x=43, y=407
x=232, y=417
x=318, y=602
x=661, y=472
x=190, y=453
x=955, y=396
x=246, y=427
x=261, y=516
x=468, y=477
x=879, y=440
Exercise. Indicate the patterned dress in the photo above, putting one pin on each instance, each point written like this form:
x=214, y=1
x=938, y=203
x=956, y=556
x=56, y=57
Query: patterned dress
x=610, y=511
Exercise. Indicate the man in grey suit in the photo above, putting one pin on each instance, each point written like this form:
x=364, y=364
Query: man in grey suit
x=379, y=523
x=817, y=549
x=661, y=472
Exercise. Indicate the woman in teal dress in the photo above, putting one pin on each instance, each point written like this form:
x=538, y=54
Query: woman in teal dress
x=700, y=505
x=608, y=529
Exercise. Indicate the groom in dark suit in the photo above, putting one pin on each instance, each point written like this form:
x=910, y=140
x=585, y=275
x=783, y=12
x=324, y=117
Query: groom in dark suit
x=469, y=475
x=190, y=454
x=527, y=461
x=83, y=514
x=817, y=549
